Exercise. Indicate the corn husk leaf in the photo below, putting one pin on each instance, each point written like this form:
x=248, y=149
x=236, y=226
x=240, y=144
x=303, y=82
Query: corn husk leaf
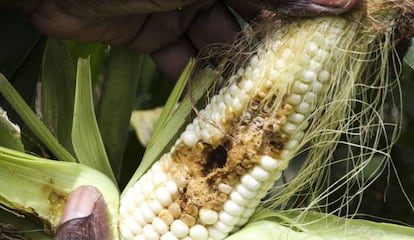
x=409, y=57
x=274, y=225
x=143, y=122
x=40, y=186
x=9, y=133
x=87, y=141
x=96, y=52
x=118, y=90
x=58, y=91
x=32, y=121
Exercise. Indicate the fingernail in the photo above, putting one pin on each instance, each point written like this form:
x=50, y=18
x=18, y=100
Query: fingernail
x=80, y=203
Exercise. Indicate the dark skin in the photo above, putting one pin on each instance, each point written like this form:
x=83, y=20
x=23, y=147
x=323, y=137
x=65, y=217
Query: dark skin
x=171, y=31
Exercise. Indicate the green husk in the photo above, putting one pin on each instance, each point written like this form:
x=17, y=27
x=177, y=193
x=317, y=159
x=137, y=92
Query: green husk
x=9, y=133
x=294, y=225
x=40, y=187
x=87, y=141
x=32, y=121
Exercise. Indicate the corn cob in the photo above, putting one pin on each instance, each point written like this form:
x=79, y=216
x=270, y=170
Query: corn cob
x=226, y=160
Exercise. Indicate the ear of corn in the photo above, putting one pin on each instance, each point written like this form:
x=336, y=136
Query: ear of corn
x=230, y=155
x=226, y=160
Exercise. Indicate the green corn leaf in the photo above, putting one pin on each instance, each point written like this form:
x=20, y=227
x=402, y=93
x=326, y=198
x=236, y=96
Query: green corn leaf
x=117, y=96
x=95, y=51
x=172, y=121
x=409, y=56
x=292, y=225
x=87, y=141
x=32, y=122
x=9, y=133
x=58, y=91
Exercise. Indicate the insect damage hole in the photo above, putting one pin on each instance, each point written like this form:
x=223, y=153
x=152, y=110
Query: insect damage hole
x=217, y=158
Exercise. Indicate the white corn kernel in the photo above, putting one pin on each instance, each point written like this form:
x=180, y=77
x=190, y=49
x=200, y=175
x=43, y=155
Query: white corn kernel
x=147, y=213
x=254, y=60
x=287, y=53
x=168, y=236
x=289, y=128
x=274, y=74
x=268, y=163
x=259, y=174
x=166, y=216
x=208, y=216
x=189, y=138
x=296, y=118
x=233, y=208
x=222, y=227
x=159, y=226
x=216, y=234
x=317, y=86
x=247, y=85
x=294, y=99
x=163, y=196
x=140, y=237
x=309, y=76
x=245, y=192
x=249, y=182
x=310, y=98
x=224, y=188
x=300, y=87
x=125, y=231
x=313, y=47
x=291, y=144
x=280, y=64
x=179, y=229
x=228, y=218
x=315, y=65
x=298, y=135
x=323, y=76
x=159, y=178
x=238, y=198
x=149, y=233
x=198, y=232
x=303, y=108
x=248, y=212
x=172, y=188
x=242, y=221
x=138, y=217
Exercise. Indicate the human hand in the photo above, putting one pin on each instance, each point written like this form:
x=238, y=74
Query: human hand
x=171, y=31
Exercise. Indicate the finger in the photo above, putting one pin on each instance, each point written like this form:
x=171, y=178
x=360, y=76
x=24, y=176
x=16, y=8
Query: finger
x=84, y=217
x=104, y=8
x=172, y=59
x=213, y=24
x=161, y=30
